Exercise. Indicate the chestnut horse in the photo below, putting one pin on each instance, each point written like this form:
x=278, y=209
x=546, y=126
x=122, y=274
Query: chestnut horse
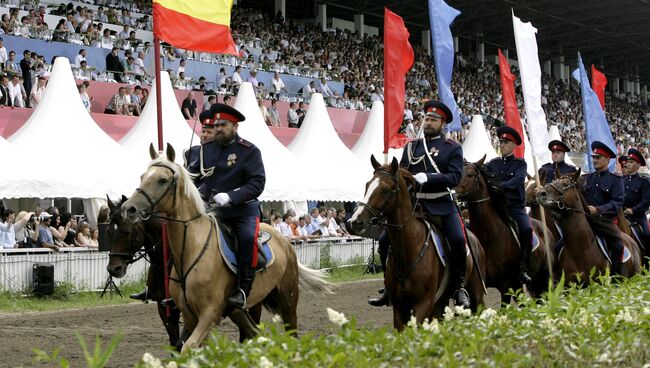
x=536, y=211
x=581, y=253
x=130, y=242
x=200, y=280
x=487, y=213
x=415, y=278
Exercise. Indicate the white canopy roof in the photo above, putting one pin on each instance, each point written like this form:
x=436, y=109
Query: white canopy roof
x=284, y=171
x=553, y=134
x=88, y=163
x=145, y=131
x=477, y=142
x=371, y=140
x=337, y=174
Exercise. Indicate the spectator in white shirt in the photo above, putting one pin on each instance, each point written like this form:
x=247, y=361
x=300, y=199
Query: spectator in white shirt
x=274, y=115
x=9, y=227
x=236, y=78
x=325, y=88
x=125, y=32
x=285, y=226
x=221, y=78
x=138, y=66
x=292, y=116
x=16, y=92
x=80, y=57
x=3, y=54
x=252, y=78
x=278, y=85
x=101, y=16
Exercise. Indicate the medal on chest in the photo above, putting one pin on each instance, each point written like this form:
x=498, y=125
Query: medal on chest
x=232, y=158
x=434, y=152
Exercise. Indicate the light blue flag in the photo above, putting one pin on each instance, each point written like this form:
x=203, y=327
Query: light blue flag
x=441, y=16
x=596, y=126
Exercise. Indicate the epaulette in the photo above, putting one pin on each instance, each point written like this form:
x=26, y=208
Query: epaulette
x=450, y=141
x=245, y=143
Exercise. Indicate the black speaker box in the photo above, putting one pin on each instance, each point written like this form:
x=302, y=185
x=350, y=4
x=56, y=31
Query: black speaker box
x=104, y=239
x=43, y=278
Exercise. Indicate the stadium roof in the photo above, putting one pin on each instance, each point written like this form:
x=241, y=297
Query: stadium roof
x=611, y=34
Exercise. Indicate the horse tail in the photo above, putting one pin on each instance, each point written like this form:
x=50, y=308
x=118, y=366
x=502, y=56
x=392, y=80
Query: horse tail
x=313, y=281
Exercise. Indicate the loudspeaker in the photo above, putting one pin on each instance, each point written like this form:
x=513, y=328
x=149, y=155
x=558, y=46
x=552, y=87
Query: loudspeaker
x=43, y=279
x=104, y=239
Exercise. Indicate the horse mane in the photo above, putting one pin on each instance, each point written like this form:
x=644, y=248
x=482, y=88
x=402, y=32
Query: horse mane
x=497, y=197
x=188, y=188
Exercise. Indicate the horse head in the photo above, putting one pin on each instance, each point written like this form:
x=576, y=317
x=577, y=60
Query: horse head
x=163, y=187
x=472, y=185
x=562, y=193
x=125, y=239
x=381, y=197
x=531, y=191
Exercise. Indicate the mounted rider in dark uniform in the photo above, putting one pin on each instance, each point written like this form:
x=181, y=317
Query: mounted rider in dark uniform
x=229, y=171
x=508, y=173
x=558, y=151
x=605, y=194
x=434, y=182
x=637, y=194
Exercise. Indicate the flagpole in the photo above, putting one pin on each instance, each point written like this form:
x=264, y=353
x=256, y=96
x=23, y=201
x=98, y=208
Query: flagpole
x=165, y=241
x=542, y=211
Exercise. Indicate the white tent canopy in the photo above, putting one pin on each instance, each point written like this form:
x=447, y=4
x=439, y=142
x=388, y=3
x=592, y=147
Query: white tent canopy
x=337, y=173
x=285, y=179
x=145, y=131
x=554, y=134
x=477, y=142
x=371, y=140
x=89, y=163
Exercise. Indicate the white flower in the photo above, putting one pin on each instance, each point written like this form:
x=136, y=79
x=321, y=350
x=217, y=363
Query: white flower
x=413, y=323
x=646, y=311
x=262, y=340
x=603, y=358
x=449, y=314
x=147, y=358
x=624, y=315
x=431, y=326
x=277, y=319
x=192, y=364
x=171, y=365
x=488, y=314
x=336, y=317
x=462, y=311
x=265, y=363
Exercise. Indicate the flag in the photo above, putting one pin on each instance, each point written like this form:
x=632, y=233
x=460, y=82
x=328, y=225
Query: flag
x=598, y=83
x=198, y=25
x=531, y=84
x=398, y=59
x=596, y=126
x=510, y=101
x=441, y=16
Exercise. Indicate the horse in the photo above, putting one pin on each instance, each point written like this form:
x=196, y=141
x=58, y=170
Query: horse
x=129, y=242
x=535, y=208
x=580, y=254
x=142, y=240
x=200, y=279
x=416, y=279
x=488, y=214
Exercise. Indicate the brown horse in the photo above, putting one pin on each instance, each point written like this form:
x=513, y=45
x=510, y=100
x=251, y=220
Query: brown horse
x=130, y=242
x=200, y=280
x=581, y=252
x=416, y=279
x=487, y=213
x=536, y=211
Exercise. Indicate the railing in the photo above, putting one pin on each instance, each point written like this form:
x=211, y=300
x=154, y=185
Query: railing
x=325, y=253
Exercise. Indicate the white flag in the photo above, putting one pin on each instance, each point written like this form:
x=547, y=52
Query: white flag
x=531, y=84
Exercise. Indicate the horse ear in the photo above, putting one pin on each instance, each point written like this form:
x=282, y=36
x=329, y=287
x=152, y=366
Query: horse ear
x=171, y=153
x=481, y=161
x=576, y=175
x=152, y=152
x=124, y=198
x=394, y=165
x=375, y=164
x=110, y=203
x=542, y=176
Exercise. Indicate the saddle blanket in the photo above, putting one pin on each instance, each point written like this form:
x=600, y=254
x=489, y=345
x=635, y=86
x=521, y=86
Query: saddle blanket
x=439, y=246
x=265, y=255
x=603, y=248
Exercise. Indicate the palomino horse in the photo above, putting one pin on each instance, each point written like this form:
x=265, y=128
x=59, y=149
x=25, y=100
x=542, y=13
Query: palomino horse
x=129, y=242
x=487, y=213
x=200, y=280
x=141, y=240
x=416, y=280
x=581, y=254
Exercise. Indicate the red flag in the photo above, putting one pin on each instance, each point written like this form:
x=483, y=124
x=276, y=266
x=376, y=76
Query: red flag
x=398, y=59
x=598, y=83
x=510, y=102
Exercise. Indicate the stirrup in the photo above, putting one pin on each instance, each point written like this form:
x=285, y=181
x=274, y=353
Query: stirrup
x=168, y=303
x=461, y=297
x=234, y=302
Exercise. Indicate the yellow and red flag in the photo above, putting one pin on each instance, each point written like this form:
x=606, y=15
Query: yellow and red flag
x=198, y=25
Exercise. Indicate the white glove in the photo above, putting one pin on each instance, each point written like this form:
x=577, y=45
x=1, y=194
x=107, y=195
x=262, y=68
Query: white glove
x=221, y=199
x=421, y=178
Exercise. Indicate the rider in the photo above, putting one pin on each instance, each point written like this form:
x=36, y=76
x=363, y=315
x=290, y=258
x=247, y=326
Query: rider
x=637, y=194
x=558, y=151
x=622, y=161
x=604, y=193
x=509, y=175
x=432, y=192
x=229, y=171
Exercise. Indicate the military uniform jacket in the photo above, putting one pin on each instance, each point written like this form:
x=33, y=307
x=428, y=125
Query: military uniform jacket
x=510, y=173
x=549, y=169
x=238, y=171
x=448, y=156
x=637, y=195
x=604, y=190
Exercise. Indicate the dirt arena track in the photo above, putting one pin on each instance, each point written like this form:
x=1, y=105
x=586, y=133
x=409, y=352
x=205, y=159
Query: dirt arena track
x=143, y=331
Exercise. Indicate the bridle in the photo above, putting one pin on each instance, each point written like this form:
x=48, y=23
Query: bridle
x=474, y=189
x=378, y=215
x=559, y=203
x=134, y=254
x=147, y=214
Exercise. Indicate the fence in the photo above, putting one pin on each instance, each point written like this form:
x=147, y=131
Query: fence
x=86, y=269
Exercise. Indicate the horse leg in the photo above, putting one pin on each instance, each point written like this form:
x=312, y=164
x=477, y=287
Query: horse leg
x=170, y=323
x=207, y=319
x=424, y=309
x=286, y=296
x=401, y=315
x=256, y=314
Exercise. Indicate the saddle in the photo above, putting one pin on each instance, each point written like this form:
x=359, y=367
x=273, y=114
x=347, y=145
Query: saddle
x=597, y=224
x=514, y=228
x=637, y=230
x=440, y=244
x=229, y=246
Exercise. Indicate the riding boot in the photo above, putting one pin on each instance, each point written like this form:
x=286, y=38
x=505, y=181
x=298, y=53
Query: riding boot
x=143, y=295
x=243, y=286
x=524, y=277
x=616, y=268
x=461, y=296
